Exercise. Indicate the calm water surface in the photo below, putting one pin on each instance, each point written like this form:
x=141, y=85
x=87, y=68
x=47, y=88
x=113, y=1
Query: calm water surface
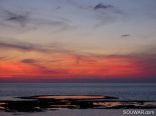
x=130, y=91
x=126, y=91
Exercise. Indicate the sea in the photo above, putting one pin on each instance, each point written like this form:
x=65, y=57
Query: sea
x=124, y=91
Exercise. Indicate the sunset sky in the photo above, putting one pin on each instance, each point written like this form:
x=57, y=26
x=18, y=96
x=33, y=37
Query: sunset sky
x=77, y=40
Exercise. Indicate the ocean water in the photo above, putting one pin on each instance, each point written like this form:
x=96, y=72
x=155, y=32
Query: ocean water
x=124, y=91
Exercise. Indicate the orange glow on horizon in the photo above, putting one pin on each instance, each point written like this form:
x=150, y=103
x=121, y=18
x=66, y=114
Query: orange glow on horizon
x=102, y=68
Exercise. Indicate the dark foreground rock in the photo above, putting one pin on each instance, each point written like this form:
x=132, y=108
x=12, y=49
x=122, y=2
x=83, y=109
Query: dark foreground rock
x=41, y=103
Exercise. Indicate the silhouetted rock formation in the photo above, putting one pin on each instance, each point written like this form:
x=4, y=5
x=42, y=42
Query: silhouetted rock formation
x=40, y=103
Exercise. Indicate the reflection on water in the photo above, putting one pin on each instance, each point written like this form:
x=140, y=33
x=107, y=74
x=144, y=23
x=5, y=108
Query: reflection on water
x=129, y=91
x=122, y=91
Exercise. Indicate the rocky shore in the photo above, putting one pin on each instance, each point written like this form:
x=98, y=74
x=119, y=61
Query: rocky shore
x=50, y=102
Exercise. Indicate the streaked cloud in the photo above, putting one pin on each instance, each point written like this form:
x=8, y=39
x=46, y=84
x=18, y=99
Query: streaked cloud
x=29, y=61
x=6, y=43
x=107, y=14
x=28, y=20
x=103, y=13
x=55, y=47
x=125, y=35
x=21, y=18
x=102, y=6
x=2, y=58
